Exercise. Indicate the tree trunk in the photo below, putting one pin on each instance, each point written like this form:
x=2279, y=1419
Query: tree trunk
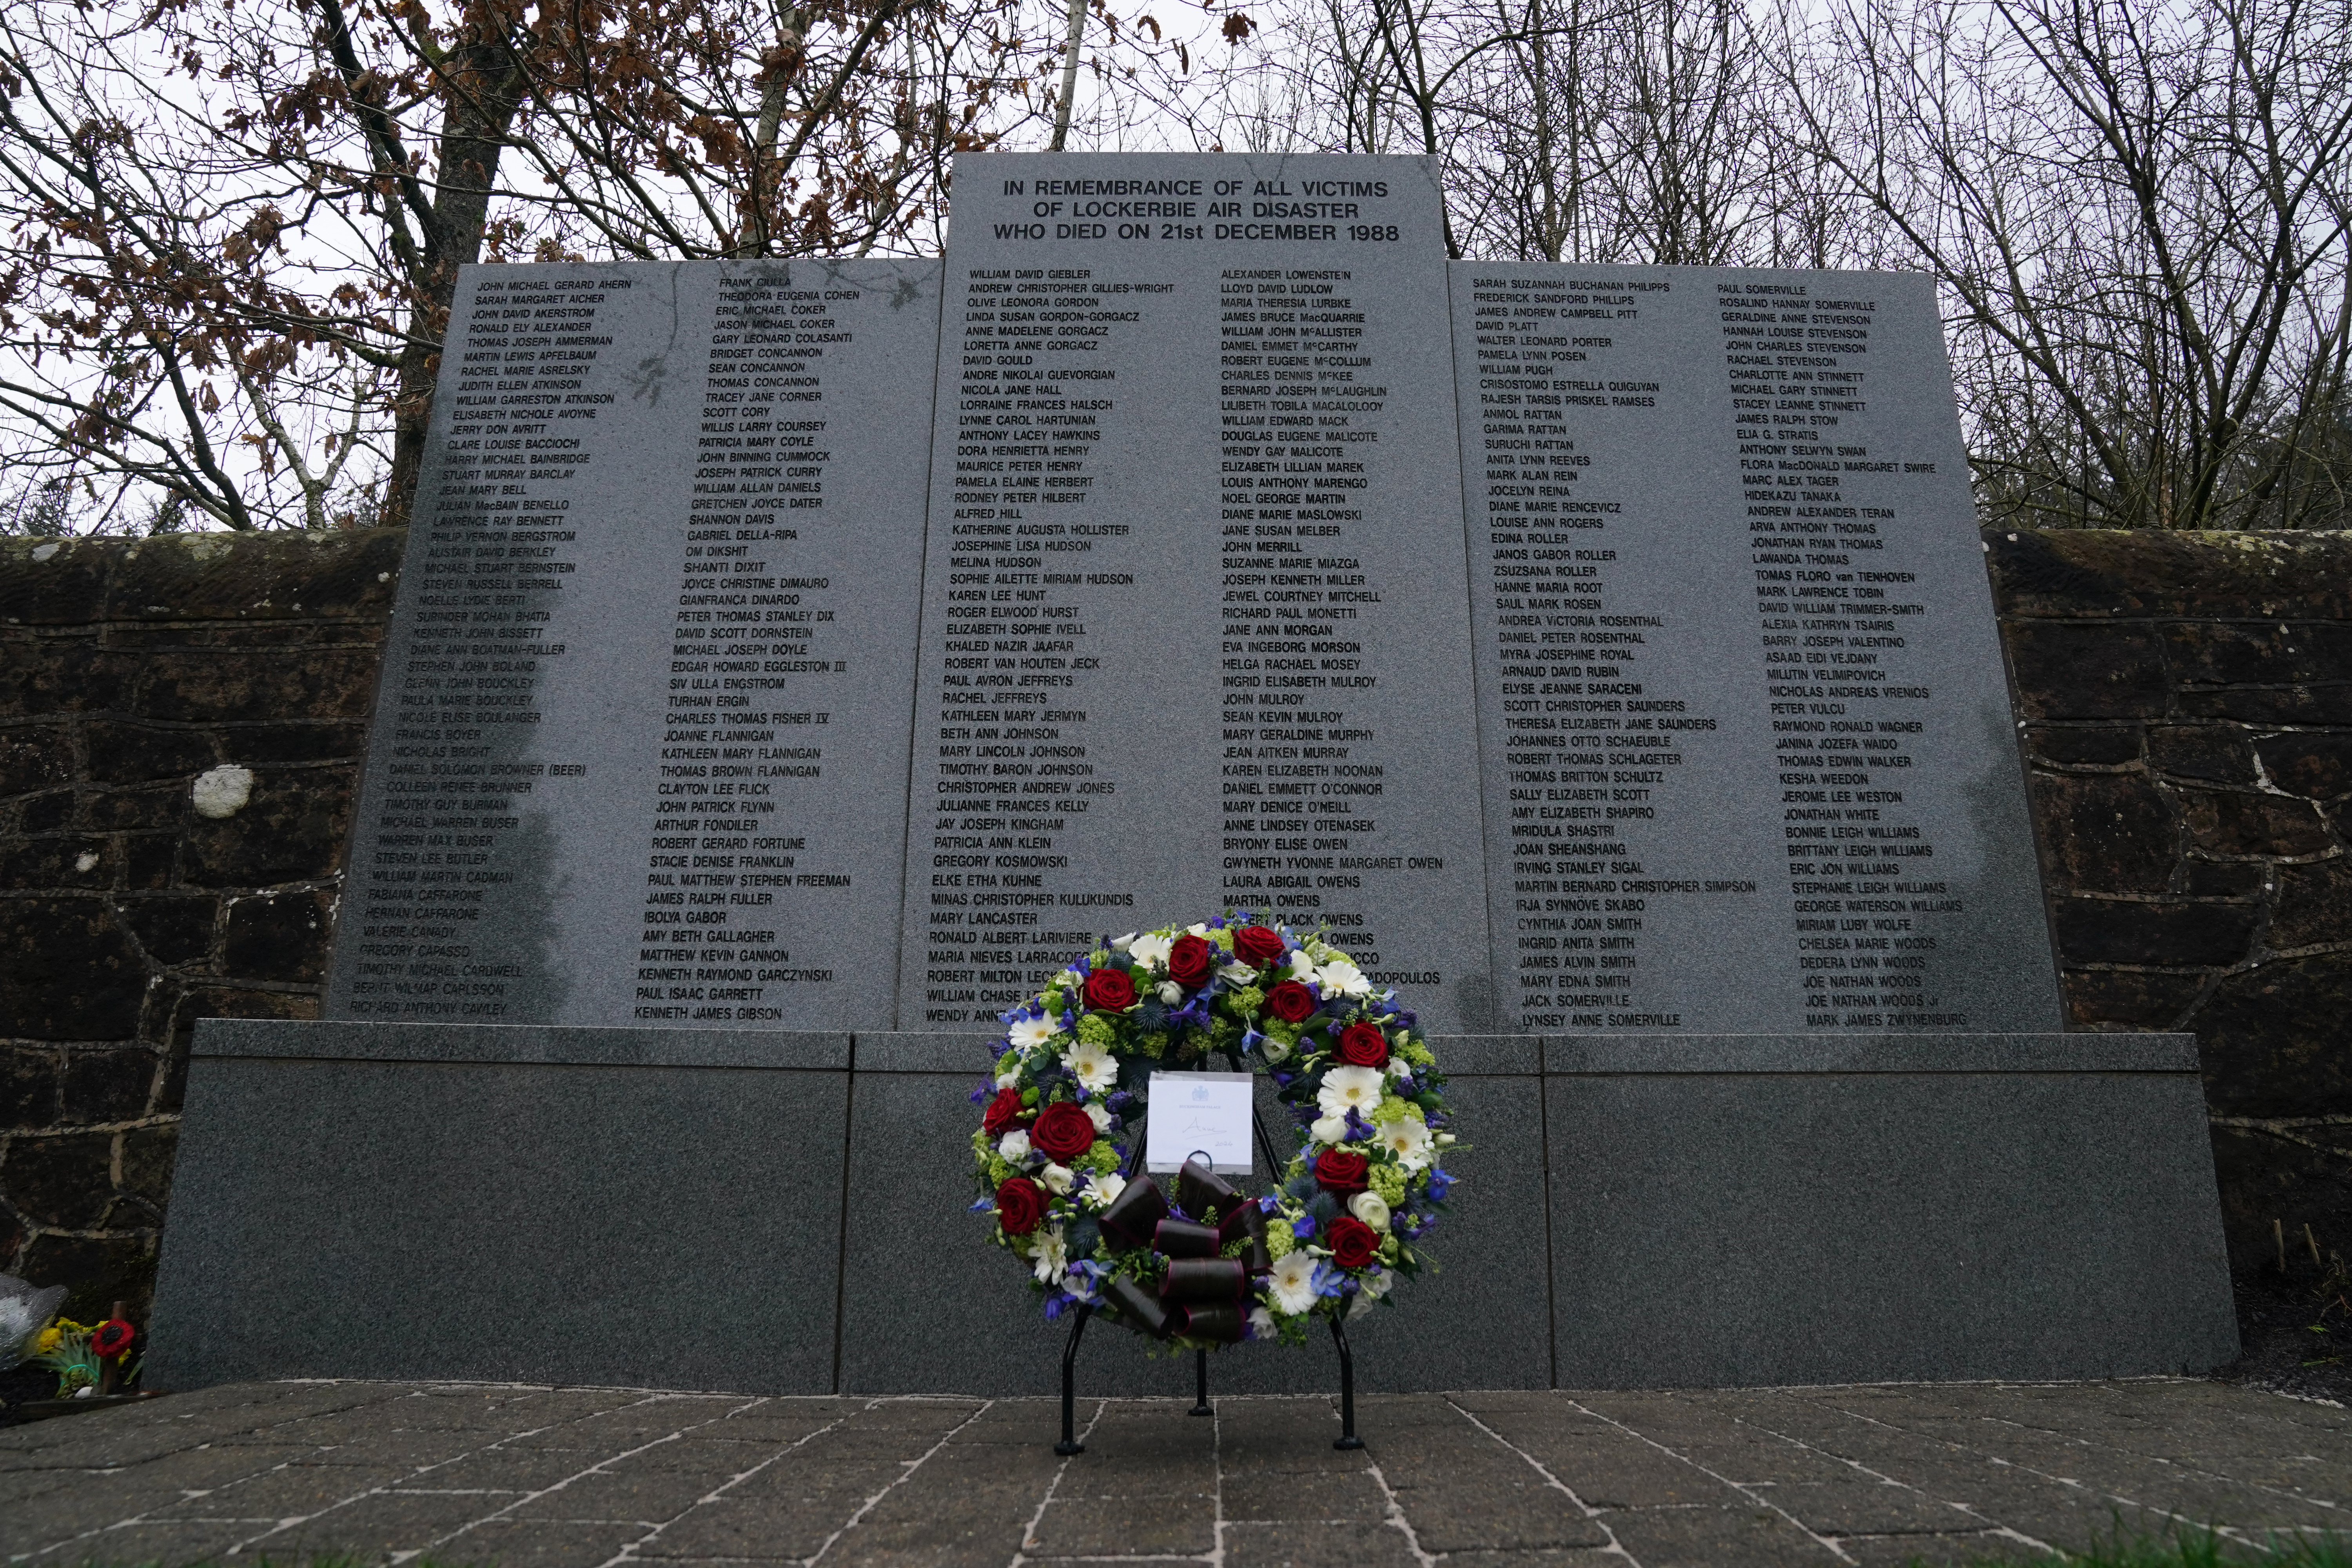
x=482, y=99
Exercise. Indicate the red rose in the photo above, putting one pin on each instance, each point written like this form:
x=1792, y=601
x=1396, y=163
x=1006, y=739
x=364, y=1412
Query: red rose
x=111, y=1338
x=1353, y=1243
x=1257, y=946
x=1188, y=960
x=1290, y=1002
x=1110, y=990
x=1003, y=1111
x=1363, y=1045
x=1335, y=1170
x=1020, y=1205
x=1062, y=1132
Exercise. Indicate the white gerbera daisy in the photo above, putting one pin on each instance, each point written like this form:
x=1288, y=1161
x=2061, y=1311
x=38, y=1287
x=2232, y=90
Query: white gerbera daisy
x=1350, y=1089
x=1050, y=1260
x=1030, y=1033
x=1292, y=1282
x=1104, y=1190
x=1407, y=1142
x=1341, y=976
x=1092, y=1065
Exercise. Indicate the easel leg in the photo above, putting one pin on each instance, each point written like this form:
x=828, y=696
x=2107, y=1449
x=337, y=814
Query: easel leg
x=1346, y=1437
x=1201, y=1384
x=1070, y=1443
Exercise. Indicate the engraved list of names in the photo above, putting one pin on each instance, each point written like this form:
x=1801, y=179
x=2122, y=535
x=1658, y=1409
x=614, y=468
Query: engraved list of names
x=1192, y=635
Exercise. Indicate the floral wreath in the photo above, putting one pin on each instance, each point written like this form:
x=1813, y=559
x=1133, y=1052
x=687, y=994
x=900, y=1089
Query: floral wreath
x=1057, y=1150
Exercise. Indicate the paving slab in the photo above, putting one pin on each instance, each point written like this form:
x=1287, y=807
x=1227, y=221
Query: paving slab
x=539, y=1477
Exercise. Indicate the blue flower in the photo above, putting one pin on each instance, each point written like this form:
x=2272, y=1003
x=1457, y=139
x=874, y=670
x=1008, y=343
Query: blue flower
x=1441, y=1181
x=981, y=1205
x=1303, y=1228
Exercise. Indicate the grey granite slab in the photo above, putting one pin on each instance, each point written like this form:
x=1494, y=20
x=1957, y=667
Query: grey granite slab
x=653, y=1226
x=641, y=739
x=1744, y=727
x=1194, y=632
x=1859, y=1053
x=1713, y=1229
x=540, y=1044
x=969, y=1053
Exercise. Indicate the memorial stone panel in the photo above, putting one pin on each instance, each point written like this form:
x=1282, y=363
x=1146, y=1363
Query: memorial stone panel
x=640, y=738
x=1744, y=727
x=1194, y=631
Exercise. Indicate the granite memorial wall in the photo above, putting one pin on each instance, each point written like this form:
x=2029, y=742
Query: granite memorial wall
x=764, y=621
x=795, y=662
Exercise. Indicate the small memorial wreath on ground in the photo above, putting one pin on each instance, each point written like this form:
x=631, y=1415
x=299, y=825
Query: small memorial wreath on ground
x=1059, y=1157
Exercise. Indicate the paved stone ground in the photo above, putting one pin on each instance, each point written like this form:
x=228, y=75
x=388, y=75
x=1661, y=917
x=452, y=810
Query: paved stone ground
x=529, y=1477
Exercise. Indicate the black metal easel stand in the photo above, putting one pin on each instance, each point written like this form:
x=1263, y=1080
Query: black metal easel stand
x=1201, y=1405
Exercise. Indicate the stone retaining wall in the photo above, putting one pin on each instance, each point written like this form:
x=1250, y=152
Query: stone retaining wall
x=2187, y=722
x=127, y=671
x=2187, y=702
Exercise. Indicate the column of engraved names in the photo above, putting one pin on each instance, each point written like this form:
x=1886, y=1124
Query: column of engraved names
x=1037, y=355
x=482, y=575
x=746, y=714
x=1300, y=397
x=1838, y=634
x=1589, y=742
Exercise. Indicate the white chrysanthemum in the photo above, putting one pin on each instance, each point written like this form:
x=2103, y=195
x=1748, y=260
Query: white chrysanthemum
x=1368, y=1207
x=1051, y=1259
x=1350, y=1089
x=1030, y=1033
x=1099, y=1114
x=1292, y=1282
x=1344, y=977
x=1014, y=1146
x=1150, y=949
x=1092, y=1065
x=1328, y=1130
x=1058, y=1179
x=1104, y=1190
x=1407, y=1140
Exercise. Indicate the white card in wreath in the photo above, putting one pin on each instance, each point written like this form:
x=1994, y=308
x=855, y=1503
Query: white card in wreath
x=1199, y=1113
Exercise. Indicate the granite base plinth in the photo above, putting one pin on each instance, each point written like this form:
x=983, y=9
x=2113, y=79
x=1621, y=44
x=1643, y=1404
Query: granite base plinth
x=667, y=1208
